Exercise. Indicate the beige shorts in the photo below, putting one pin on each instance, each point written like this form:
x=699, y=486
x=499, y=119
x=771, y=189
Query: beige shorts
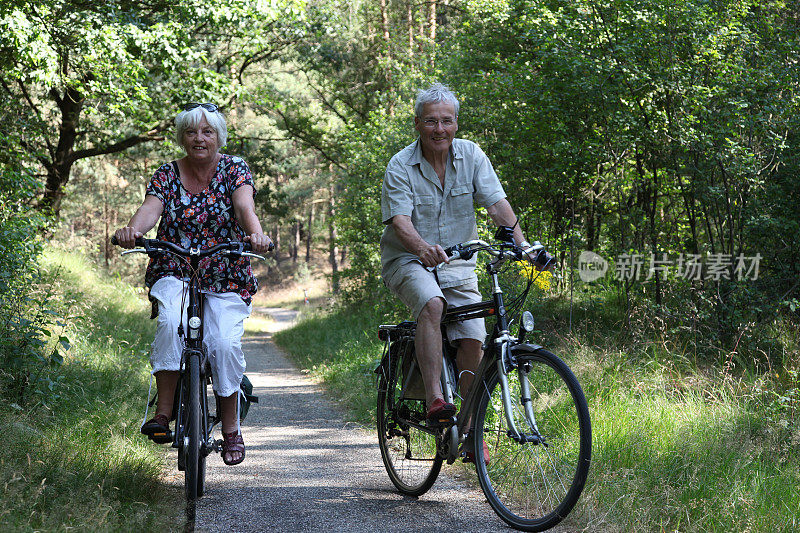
x=416, y=286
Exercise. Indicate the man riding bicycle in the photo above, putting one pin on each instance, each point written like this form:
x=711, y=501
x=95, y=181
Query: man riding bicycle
x=427, y=200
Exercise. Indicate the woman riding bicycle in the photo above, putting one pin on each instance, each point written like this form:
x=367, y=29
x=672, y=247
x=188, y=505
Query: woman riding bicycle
x=202, y=199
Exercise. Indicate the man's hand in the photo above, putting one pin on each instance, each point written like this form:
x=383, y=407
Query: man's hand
x=126, y=237
x=259, y=242
x=542, y=260
x=432, y=254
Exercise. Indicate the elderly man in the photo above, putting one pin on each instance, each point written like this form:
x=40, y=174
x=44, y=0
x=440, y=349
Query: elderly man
x=427, y=203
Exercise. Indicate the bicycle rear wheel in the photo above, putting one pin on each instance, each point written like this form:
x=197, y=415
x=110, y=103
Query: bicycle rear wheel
x=409, y=454
x=192, y=437
x=532, y=486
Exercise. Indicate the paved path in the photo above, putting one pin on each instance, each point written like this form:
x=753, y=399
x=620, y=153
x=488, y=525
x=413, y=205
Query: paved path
x=308, y=470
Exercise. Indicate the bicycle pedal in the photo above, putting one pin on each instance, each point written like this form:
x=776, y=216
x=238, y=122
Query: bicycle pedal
x=442, y=422
x=161, y=437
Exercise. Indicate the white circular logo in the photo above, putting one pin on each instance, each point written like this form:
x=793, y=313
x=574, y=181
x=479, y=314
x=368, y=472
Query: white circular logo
x=591, y=266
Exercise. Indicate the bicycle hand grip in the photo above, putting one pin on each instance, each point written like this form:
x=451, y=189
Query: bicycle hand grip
x=138, y=242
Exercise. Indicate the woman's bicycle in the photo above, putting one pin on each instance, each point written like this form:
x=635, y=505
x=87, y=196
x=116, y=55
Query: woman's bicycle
x=194, y=423
x=525, y=403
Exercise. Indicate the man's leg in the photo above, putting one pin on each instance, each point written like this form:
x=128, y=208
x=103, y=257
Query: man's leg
x=468, y=357
x=428, y=345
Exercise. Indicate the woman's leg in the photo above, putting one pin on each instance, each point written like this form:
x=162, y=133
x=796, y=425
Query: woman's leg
x=224, y=316
x=165, y=355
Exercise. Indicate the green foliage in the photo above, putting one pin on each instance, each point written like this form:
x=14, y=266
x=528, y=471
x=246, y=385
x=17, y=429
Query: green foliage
x=96, y=79
x=30, y=341
x=77, y=459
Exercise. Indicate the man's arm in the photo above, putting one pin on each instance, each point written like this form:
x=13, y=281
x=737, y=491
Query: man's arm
x=503, y=215
x=430, y=254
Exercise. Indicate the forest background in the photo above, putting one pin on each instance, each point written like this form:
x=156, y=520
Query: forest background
x=658, y=135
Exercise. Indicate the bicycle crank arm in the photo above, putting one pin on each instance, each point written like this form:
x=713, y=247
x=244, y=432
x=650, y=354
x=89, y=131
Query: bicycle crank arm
x=432, y=430
x=528, y=438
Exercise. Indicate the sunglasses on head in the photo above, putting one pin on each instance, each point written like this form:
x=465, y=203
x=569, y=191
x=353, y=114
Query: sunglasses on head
x=213, y=108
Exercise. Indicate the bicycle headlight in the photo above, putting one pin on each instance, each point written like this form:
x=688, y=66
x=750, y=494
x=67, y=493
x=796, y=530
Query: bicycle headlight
x=527, y=321
x=194, y=322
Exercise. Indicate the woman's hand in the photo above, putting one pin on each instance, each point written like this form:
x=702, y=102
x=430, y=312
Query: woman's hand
x=259, y=242
x=126, y=237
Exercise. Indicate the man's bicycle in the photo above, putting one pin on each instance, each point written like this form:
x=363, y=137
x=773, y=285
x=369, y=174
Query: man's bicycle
x=525, y=404
x=194, y=423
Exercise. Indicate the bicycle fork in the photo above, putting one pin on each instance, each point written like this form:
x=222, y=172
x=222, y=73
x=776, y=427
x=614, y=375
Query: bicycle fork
x=525, y=396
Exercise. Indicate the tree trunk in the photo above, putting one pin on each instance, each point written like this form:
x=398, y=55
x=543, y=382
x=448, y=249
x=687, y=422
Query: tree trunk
x=277, y=240
x=410, y=21
x=332, y=236
x=309, y=232
x=432, y=19
x=107, y=237
x=58, y=169
x=296, y=244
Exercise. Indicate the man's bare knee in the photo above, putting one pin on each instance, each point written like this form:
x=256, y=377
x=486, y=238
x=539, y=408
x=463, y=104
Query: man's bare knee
x=432, y=311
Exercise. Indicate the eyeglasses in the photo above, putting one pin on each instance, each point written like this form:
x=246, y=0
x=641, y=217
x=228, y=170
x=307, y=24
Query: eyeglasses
x=431, y=122
x=213, y=108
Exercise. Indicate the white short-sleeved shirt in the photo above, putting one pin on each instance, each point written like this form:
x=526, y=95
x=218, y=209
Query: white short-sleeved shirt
x=444, y=216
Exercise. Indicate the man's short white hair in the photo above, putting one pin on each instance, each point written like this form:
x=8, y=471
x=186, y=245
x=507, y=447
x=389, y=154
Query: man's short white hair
x=191, y=119
x=433, y=94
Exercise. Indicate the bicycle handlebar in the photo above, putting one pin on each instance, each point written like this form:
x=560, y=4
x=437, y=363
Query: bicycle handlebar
x=466, y=250
x=149, y=246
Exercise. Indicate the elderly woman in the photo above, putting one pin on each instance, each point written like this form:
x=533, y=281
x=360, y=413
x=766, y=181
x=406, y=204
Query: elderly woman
x=204, y=198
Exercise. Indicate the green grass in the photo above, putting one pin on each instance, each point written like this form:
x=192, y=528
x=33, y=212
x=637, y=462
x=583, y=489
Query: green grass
x=73, y=458
x=677, y=445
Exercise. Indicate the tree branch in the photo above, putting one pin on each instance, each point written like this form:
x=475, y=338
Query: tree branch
x=313, y=143
x=133, y=140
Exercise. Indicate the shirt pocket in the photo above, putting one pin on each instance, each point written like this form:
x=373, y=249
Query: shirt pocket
x=461, y=203
x=425, y=211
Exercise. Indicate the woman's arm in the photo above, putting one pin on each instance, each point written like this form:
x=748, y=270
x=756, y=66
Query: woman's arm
x=245, y=209
x=142, y=221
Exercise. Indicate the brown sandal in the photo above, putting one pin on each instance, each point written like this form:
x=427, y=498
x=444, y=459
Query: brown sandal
x=232, y=443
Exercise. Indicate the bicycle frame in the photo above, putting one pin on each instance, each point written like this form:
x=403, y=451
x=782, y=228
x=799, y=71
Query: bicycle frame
x=193, y=348
x=499, y=353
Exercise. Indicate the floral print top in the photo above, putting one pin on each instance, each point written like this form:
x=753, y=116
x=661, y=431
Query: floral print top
x=201, y=221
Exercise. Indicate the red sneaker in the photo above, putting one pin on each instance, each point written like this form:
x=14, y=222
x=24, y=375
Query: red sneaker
x=440, y=412
x=469, y=453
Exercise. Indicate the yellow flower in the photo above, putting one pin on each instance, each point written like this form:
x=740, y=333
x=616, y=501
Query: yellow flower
x=541, y=280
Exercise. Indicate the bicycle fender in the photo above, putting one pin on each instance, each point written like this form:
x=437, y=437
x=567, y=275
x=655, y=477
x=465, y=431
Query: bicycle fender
x=525, y=347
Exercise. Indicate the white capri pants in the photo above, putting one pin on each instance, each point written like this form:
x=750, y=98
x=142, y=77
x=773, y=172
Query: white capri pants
x=223, y=317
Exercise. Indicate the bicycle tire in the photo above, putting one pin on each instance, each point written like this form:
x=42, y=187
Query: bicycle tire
x=201, y=466
x=409, y=454
x=192, y=439
x=533, y=486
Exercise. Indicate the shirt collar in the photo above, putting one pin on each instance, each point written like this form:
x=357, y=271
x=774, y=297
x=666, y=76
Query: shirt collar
x=415, y=158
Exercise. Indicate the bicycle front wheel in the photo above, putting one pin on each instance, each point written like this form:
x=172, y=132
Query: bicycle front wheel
x=205, y=424
x=193, y=432
x=533, y=485
x=409, y=453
